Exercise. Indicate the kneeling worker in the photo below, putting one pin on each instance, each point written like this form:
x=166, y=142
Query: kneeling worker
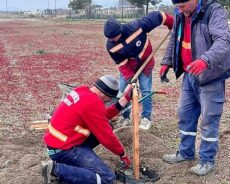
x=80, y=123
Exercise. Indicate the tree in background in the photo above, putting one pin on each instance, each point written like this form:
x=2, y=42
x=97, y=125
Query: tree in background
x=142, y=3
x=81, y=4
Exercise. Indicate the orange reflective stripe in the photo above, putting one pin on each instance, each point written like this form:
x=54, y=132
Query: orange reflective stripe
x=128, y=40
x=163, y=18
x=57, y=134
x=186, y=45
x=133, y=36
x=143, y=51
x=81, y=130
x=116, y=48
x=123, y=62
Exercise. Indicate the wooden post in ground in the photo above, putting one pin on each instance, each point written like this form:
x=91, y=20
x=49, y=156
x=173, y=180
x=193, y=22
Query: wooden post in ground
x=135, y=120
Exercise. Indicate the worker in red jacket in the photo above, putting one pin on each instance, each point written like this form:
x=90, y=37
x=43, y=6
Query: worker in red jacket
x=129, y=46
x=78, y=124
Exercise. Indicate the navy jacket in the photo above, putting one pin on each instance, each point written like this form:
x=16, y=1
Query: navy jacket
x=134, y=47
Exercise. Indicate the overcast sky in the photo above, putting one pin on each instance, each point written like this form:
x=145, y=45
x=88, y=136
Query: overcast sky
x=43, y=4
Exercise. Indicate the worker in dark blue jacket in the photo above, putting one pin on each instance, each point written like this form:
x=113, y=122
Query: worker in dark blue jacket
x=129, y=47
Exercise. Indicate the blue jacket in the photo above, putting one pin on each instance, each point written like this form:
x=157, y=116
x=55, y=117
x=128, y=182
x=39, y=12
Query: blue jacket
x=210, y=41
x=134, y=45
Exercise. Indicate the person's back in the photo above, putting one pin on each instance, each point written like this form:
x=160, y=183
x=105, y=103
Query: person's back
x=80, y=123
x=68, y=119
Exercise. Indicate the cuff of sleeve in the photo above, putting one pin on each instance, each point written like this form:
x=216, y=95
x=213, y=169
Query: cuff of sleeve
x=205, y=59
x=118, y=106
x=166, y=62
x=163, y=18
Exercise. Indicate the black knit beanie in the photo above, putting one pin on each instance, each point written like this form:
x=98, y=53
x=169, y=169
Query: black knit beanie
x=112, y=28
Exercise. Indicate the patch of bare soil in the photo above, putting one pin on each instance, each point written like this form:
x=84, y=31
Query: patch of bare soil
x=37, y=55
x=151, y=148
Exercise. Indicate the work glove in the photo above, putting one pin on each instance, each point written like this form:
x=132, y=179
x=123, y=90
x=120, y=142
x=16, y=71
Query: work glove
x=125, y=161
x=128, y=92
x=125, y=99
x=127, y=96
x=163, y=73
x=169, y=21
x=197, y=67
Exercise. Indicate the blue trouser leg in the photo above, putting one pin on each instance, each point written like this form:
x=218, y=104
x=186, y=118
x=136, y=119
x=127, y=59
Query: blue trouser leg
x=213, y=97
x=207, y=101
x=188, y=114
x=75, y=175
x=145, y=88
x=81, y=165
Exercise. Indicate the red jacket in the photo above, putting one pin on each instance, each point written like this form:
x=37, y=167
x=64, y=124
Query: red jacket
x=81, y=113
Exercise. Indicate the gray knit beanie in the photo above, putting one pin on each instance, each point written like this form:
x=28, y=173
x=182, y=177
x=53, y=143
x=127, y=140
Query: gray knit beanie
x=108, y=85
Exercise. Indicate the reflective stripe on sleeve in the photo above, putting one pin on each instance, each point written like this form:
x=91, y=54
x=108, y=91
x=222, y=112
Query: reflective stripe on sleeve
x=163, y=18
x=81, y=130
x=128, y=40
x=133, y=36
x=145, y=47
x=57, y=134
x=209, y=139
x=123, y=62
x=188, y=133
x=116, y=48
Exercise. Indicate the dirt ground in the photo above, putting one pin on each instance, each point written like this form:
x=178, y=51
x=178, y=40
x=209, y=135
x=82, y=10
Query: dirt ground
x=36, y=55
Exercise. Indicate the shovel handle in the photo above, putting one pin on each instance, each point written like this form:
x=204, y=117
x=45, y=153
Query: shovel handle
x=150, y=56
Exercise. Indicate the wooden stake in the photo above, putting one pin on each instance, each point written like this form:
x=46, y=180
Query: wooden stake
x=135, y=120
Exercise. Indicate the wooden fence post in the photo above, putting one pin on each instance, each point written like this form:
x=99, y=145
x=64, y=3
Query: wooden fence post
x=135, y=120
